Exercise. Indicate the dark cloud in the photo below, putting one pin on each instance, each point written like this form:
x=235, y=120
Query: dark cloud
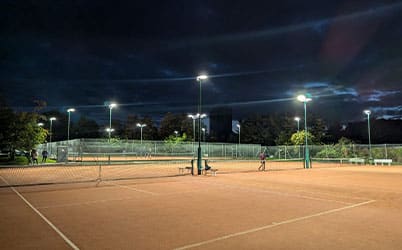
x=145, y=55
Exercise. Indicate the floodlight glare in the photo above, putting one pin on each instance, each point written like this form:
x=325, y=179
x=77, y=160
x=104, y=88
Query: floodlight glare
x=52, y=119
x=202, y=77
x=303, y=98
x=297, y=118
x=367, y=112
x=70, y=110
x=40, y=124
x=112, y=105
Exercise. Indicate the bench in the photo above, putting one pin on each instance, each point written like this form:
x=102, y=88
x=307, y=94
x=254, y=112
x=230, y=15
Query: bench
x=188, y=168
x=208, y=168
x=357, y=160
x=382, y=161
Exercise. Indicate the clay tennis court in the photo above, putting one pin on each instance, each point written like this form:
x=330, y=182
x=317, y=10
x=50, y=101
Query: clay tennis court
x=331, y=206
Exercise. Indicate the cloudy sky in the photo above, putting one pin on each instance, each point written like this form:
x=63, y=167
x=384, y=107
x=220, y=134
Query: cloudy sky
x=145, y=55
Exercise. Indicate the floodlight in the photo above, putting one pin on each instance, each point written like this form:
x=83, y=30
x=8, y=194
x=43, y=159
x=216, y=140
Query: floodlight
x=202, y=77
x=367, y=112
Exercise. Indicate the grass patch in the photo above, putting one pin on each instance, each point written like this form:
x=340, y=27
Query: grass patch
x=21, y=160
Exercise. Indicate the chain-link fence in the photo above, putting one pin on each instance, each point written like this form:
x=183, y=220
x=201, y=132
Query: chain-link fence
x=81, y=149
x=338, y=151
x=84, y=149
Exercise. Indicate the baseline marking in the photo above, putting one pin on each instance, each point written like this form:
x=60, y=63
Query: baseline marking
x=274, y=224
x=67, y=240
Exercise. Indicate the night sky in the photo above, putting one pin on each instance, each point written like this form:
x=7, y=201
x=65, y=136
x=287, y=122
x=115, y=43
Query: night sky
x=145, y=55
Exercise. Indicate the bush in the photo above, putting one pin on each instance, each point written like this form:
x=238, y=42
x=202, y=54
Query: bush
x=329, y=151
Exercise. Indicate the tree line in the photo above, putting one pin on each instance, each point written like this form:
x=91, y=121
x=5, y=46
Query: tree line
x=20, y=130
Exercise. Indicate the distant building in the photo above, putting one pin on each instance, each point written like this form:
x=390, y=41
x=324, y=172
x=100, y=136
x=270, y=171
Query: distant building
x=220, y=122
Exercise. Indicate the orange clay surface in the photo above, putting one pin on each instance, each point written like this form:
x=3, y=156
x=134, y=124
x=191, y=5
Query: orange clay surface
x=330, y=206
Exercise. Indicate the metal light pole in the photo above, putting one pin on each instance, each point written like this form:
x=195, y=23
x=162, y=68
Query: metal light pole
x=368, y=112
x=69, y=120
x=238, y=150
x=238, y=125
x=194, y=117
x=199, y=79
x=111, y=106
x=51, y=119
x=304, y=99
x=297, y=119
x=109, y=130
x=141, y=126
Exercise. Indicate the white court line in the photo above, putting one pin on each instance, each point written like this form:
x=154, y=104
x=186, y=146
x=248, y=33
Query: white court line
x=119, y=199
x=84, y=203
x=135, y=189
x=277, y=193
x=274, y=224
x=67, y=240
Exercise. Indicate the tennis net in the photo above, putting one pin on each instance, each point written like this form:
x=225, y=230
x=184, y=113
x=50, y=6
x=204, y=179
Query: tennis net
x=102, y=171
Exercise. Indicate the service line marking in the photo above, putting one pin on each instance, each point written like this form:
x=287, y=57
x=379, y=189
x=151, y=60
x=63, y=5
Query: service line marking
x=131, y=188
x=64, y=237
x=84, y=203
x=274, y=224
x=251, y=189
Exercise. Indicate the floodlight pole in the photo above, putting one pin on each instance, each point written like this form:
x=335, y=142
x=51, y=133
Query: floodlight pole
x=238, y=125
x=304, y=99
x=50, y=134
x=69, y=120
x=307, y=155
x=297, y=119
x=111, y=106
x=68, y=127
x=193, y=117
x=141, y=126
x=51, y=126
x=199, y=159
x=238, y=150
x=368, y=112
